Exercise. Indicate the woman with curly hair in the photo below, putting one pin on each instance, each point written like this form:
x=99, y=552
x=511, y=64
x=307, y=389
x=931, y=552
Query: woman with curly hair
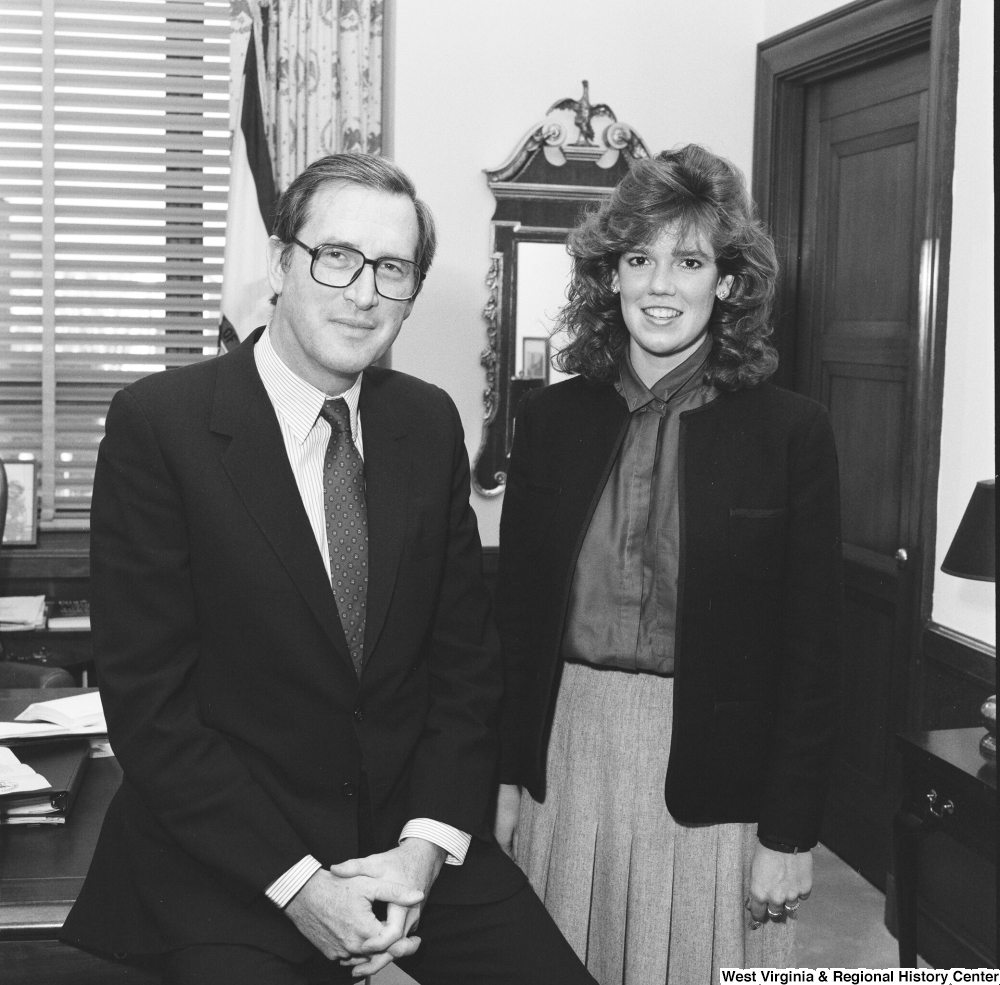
x=669, y=596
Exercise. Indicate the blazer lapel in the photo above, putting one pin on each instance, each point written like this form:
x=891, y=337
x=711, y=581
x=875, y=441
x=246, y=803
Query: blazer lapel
x=257, y=464
x=387, y=483
x=601, y=418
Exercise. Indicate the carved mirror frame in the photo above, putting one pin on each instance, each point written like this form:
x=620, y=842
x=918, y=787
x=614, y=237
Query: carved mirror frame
x=563, y=166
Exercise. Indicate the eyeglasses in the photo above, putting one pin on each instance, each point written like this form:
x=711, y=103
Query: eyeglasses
x=340, y=266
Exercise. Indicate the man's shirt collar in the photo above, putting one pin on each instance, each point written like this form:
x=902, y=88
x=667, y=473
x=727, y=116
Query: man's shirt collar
x=297, y=402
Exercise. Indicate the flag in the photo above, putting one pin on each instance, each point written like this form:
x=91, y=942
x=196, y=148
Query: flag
x=245, y=289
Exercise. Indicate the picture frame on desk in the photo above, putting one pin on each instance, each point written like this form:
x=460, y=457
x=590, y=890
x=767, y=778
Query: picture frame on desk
x=21, y=526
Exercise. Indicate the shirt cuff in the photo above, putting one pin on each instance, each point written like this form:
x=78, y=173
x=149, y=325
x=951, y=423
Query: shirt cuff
x=454, y=842
x=281, y=891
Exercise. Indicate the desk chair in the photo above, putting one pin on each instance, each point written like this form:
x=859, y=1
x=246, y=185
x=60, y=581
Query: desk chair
x=13, y=674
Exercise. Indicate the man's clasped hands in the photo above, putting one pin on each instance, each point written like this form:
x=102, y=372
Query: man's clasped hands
x=334, y=908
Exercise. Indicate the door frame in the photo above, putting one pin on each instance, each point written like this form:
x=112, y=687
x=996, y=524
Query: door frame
x=868, y=32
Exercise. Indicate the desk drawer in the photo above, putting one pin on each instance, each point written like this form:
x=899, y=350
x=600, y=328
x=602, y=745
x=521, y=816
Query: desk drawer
x=959, y=809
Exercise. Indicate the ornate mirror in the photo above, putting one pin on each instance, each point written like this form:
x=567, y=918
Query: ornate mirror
x=562, y=166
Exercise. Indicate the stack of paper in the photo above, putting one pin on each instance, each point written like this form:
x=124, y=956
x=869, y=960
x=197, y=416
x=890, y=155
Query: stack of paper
x=69, y=624
x=69, y=616
x=22, y=612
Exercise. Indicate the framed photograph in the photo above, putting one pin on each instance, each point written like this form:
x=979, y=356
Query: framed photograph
x=21, y=528
x=535, y=352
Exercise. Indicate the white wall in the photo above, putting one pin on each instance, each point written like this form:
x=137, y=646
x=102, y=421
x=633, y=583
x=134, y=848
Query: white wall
x=470, y=78
x=968, y=427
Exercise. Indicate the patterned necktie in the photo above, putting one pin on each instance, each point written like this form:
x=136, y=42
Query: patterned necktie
x=346, y=525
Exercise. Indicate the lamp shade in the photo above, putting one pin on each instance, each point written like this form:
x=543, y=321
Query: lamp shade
x=973, y=551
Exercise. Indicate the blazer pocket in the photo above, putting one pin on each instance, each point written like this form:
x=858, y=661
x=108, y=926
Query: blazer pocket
x=757, y=542
x=540, y=504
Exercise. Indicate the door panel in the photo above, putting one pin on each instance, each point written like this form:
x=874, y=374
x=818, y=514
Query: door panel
x=875, y=86
x=857, y=351
x=871, y=274
x=868, y=411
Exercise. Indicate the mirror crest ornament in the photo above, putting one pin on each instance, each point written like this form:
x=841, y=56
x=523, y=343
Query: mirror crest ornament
x=566, y=164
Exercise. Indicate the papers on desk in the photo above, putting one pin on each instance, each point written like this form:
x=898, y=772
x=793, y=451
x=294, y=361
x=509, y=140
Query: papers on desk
x=17, y=777
x=13, y=731
x=22, y=612
x=80, y=714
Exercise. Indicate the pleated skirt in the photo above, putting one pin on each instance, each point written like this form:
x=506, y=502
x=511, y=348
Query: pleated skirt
x=642, y=899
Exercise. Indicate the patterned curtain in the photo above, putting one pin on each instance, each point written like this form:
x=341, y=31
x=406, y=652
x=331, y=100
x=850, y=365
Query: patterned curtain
x=324, y=76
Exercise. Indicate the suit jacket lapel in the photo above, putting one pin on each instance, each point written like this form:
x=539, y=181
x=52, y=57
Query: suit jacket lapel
x=258, y=466
x=387, y=482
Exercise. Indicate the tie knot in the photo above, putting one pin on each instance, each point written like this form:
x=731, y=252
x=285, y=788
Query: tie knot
x=338, y=414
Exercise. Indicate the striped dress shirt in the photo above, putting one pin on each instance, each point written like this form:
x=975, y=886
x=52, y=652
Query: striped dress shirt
x=297, y=405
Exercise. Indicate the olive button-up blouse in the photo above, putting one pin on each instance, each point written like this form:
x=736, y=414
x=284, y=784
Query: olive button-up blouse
x=623, y=601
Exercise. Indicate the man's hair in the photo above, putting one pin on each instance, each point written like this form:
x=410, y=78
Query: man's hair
x=366, y=170
x=697, y=192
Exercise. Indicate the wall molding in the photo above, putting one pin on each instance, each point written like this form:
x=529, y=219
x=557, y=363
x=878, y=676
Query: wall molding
x=966, y=655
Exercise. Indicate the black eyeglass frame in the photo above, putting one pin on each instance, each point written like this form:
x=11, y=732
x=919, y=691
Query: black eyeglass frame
x=314, y=253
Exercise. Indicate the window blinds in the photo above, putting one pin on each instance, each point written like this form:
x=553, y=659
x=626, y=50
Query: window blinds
x=114, y=164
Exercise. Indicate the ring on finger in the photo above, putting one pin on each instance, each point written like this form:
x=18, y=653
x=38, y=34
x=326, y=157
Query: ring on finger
x=773, y=913
x=792, y=907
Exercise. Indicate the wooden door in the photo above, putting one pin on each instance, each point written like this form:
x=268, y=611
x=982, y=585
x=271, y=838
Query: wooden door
x=858, y=350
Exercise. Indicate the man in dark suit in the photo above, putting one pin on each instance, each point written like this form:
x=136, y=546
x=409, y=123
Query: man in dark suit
x=294, y=643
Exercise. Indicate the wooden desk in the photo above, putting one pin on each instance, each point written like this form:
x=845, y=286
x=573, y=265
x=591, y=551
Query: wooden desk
x=41, y=871
x=950, y=796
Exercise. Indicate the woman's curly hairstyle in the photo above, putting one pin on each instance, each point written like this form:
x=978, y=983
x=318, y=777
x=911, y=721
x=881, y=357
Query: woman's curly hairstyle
x=696, y=191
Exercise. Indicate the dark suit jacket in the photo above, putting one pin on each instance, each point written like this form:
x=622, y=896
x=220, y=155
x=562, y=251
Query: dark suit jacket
x=759, y=624
x=232, y=704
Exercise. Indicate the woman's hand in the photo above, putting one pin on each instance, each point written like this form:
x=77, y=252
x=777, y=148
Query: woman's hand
x=508, y=808
x=778, y=881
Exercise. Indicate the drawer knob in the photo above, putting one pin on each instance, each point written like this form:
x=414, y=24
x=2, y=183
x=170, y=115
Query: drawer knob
x=945, y=810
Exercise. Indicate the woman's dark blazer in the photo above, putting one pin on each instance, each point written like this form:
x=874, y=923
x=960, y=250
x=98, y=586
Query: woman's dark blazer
x=757, y=652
